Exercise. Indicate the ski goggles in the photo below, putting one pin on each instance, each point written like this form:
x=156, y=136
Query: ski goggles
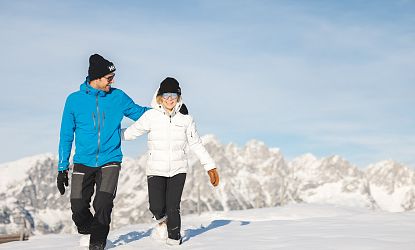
x=173, y=96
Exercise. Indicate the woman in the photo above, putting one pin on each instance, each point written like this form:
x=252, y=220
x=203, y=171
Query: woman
x=170, y=133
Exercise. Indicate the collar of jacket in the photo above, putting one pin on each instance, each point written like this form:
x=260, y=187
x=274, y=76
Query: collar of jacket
x=88, y=89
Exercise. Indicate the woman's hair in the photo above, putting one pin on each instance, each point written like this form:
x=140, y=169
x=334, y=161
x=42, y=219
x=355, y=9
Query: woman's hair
x=160, y=97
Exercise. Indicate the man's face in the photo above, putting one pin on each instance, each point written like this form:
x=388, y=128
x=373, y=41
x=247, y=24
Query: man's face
x=104, y=83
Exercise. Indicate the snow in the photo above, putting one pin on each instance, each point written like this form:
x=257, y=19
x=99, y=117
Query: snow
x=331, y=193
x=16, y=170
x=293, y=227
x=389, y=202
x=49, y=216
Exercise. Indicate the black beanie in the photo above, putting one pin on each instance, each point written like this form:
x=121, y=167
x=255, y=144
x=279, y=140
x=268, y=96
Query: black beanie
x=169, y=85
x=99, y=67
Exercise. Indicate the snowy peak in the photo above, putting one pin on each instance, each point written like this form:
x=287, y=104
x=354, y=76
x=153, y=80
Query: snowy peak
x=210, y=139
x=16, y=171
x=329, y=169
x=391, y=174
x=256, y=150
x=305, y=159
x=392, y=186
x=330, y=180
x=335, y=167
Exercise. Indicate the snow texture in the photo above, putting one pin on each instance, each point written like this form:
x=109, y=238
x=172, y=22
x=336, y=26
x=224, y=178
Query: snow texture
x=294, y=227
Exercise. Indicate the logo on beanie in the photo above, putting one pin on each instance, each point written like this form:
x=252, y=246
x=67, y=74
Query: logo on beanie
x=111, y=68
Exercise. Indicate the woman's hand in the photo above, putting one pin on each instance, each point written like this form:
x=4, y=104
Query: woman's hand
x=214, y=177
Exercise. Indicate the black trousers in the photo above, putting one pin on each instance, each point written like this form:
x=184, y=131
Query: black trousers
x=84, y=178
x=165, y=194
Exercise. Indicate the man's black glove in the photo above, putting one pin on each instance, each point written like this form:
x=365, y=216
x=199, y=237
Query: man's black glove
x=62, y=180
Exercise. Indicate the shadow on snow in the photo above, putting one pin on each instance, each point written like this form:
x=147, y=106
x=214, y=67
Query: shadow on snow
x=189, y=233
x=127, y=238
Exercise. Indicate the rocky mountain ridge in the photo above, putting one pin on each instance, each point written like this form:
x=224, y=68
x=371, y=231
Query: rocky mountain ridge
x=253, y=176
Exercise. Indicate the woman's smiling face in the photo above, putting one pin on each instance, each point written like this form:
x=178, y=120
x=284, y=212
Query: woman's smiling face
x=169, y=100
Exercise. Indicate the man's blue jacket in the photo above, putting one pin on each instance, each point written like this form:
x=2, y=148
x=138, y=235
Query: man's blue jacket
x=94, y=117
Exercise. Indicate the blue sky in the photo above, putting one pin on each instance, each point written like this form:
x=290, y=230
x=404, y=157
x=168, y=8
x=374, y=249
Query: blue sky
x=320, y=77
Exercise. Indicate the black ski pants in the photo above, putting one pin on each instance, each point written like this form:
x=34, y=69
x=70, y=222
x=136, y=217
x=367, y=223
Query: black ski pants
x=84, y=178
x=165, y=194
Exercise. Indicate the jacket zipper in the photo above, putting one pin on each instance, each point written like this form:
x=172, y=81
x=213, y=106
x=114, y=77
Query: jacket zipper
x=170, y=147
x=99, y=132
x=103, y=119
x=93, y=118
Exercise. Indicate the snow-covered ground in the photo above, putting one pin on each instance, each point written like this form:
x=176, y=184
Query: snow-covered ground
x=292, y=227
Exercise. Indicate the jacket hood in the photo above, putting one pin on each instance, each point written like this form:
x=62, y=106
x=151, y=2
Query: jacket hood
x=88, y=89
x=160, y=108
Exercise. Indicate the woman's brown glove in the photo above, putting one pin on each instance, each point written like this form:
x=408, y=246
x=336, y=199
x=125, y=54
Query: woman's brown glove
x=214, y=177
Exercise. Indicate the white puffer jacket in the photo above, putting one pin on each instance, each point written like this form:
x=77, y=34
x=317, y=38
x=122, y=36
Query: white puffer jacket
x=169, y=136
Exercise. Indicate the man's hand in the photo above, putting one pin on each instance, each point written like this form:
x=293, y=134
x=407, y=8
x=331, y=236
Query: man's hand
x=62, y=181
x=214, y=177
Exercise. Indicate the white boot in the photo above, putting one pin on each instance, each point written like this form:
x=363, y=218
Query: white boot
x=159, y=232
x=84, y=240
x=172, y=242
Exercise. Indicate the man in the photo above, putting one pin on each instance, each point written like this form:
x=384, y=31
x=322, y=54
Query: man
x=93, y=114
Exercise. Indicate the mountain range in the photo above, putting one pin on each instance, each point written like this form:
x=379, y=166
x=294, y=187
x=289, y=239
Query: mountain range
x=252, y=176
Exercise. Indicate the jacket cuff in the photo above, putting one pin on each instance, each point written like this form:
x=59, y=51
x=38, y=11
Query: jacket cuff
x=209, y=166
x=63, y=168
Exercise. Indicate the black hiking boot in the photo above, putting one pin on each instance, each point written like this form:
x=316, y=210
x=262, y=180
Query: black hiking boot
x=98, y=245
